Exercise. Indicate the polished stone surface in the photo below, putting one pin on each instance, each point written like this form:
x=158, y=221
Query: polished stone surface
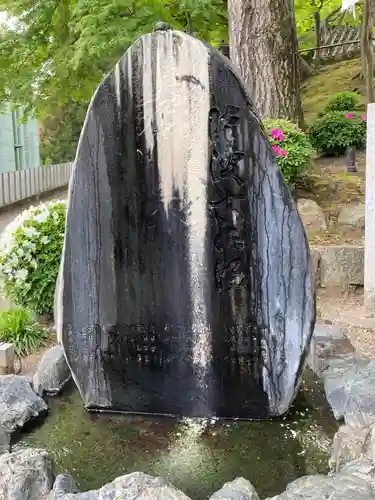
x=185, y=285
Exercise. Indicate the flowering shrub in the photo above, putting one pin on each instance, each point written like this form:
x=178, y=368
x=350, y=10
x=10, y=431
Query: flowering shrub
x=343, y=101
x=334, y=132
x=30, y=251
x=291, y=146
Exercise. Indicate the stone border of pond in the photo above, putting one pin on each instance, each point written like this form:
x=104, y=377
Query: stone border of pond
x=349, y=384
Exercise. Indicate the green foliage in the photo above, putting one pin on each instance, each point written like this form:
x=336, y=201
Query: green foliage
x=308, y=11
x=344, y=101
x=30, y=251
x=18, y=327
x=60, y=133
x=334, y=132
x=291, y=146
x=62, y=48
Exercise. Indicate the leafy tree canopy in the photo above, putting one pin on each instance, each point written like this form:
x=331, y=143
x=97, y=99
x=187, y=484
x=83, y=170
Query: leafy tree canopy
x=57, y=51
x=53, y=53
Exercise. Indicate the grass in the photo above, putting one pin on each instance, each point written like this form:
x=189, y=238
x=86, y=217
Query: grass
x=18, y=327
x=337, y=77
x=327, y=181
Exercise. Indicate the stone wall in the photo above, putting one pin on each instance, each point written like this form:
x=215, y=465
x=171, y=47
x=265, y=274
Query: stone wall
x=335, y=264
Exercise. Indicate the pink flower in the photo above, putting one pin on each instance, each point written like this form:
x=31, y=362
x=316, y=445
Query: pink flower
x=277, y=150
x=284, y=153
x=349, y=115
x=277, y=134
x=364, y=118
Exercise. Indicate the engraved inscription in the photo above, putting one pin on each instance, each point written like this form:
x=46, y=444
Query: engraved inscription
x=230, y=269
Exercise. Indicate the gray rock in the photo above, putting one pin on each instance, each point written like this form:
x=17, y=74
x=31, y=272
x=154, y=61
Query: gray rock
x=372, y=445
x=53, y=372
x=360, y=405
x=341, y=265
x=239, y=489
x=352, y=214
x=26, y=475
x=18, y=402
x=312, y=215
x=349, y=444
x=338, y=380
x=350, y=390
x=64, y=484
x=135, y=486
x=4, y=440
x=353, y=482
x=315, y=261
x=328, y=342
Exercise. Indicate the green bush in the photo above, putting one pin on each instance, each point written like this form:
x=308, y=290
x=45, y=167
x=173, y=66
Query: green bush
x=334, y=132
x=343, y=101
x=18, y=328
x=291, y=146
x=30, y=251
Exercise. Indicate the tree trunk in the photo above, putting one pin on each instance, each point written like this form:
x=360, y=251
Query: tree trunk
x=263, y=45
x=367, y=49
x=318, y=36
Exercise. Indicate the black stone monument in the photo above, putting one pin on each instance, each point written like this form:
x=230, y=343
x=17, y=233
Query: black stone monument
x=185, y=286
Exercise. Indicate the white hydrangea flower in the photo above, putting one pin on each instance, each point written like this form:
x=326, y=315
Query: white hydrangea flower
x=30, y=232
x=13, y=261
x=44, y=240
x=42, y=216
x=21, y=275
x=28, y=257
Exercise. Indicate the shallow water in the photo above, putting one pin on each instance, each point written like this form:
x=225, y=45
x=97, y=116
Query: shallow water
x=196, y=457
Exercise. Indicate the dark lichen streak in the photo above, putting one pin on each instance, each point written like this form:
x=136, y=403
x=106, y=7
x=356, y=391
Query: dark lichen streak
x=191, y=79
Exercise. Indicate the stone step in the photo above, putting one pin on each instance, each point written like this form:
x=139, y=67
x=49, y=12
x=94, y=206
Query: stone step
x=338, y=265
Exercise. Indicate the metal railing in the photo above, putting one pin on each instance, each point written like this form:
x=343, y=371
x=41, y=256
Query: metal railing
x=19, y=185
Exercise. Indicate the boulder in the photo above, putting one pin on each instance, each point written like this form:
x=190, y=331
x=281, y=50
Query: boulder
x=312, y=215
x=26, y=475
x=239, y=489
x=4, y=440
x=341, y=265
x=352, y=214
x=135, y=486
x=353, y=482
x=328, y=342
x=360, y=404
x=53, y=372
x=18, y=402
x=350, y=390
x=349, y=444
x=338, y=380
x=64, y=484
